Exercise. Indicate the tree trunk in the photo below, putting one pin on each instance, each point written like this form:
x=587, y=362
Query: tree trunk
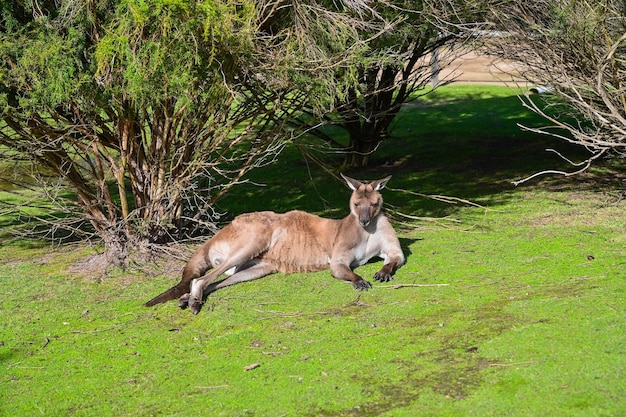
x=362, y=145
x=367, y=120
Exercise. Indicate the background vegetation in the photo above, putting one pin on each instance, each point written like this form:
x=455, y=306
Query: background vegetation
x=577, y=49
x=518, y=307
x=134, y=118
x=137, y=117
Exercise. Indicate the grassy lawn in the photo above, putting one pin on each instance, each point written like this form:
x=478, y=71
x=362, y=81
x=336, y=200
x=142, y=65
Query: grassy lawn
x=516, y=307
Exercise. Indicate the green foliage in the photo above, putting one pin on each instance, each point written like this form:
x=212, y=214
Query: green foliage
x=156, y=50
x=48, y=66
x=151, y=110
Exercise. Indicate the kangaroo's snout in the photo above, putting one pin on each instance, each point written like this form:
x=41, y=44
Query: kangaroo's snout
x=365, y=216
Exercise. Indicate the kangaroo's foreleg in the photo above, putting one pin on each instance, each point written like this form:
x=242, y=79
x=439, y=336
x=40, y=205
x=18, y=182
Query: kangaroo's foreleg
x=393, y=259
x=194, y=299
x=342, y=271
x=386, y=272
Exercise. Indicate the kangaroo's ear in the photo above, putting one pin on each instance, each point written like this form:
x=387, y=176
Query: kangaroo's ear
x=352, y=183
x=380, y=184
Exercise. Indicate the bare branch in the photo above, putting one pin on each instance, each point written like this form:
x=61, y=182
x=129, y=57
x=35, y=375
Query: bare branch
x=585, y=166
x=577, y=49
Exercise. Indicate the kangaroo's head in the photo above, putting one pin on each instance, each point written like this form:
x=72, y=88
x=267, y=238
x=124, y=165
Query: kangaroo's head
x=366, y=201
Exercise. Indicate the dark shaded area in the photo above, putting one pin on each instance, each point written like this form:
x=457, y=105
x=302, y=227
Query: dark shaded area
x=469, y=148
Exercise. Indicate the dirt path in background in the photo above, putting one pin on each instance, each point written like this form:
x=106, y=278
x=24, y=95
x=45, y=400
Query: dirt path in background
x=473, y=68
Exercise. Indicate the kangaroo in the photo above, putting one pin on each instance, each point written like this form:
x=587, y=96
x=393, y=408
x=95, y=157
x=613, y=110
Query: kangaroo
x=260, y=243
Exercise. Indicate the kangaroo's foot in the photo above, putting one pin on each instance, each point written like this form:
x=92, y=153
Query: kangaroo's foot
x=195, y=301
x=195, y=304
x=361, y=285
x=183, y=301
x=383, y=276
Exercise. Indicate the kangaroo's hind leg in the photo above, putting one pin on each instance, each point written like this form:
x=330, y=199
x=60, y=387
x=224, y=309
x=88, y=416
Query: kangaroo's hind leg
x=234, y=254
x=249, y=271
x=196, y=267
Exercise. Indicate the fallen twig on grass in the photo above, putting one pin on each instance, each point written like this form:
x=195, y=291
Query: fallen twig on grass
x=275, y=353
x=396, y=286
x=424, y=219
x=442, y=198
x=440, y=221
x=506, y=365
x=278, y=313
x=251, y=367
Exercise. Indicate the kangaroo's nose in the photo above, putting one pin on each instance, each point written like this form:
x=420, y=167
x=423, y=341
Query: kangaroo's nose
x=364, y=222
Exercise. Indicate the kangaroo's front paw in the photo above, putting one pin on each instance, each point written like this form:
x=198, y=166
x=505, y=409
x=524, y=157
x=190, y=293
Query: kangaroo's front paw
x=361, y=285
x=383, y=276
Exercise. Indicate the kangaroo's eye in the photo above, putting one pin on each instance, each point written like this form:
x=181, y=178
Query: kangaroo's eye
x=357, y=205
x=374, y=205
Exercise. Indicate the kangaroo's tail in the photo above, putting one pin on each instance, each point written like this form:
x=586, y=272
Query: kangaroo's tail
x=174, y=292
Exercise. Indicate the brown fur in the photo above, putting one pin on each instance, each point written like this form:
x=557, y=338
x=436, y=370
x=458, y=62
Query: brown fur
x=260, y=243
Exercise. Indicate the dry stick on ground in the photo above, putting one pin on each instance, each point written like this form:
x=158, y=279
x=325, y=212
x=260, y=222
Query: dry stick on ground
x=277, y=313
x=396, y=286
x=438, y=221
x=442, y=198
x=506, y=365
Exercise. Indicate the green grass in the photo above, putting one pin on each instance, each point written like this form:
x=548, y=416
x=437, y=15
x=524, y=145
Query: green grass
x=530, y=321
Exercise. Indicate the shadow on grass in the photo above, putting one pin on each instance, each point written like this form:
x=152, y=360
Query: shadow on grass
x=471, y=148
x=463, y=142
x=19, y=227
